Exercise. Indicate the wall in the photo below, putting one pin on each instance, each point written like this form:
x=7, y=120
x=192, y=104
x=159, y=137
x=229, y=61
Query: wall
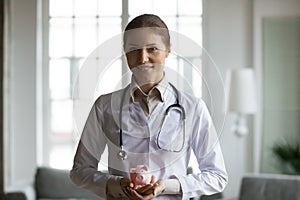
x=21, y=93
x=228, y=39
x=1, y=100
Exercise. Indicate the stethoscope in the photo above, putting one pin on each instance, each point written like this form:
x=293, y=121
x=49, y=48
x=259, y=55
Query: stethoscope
x=122, y=154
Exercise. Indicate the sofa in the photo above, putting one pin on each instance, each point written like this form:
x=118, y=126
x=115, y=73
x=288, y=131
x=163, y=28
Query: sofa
x=55, y=184
x=52, y=184
x=269, y=187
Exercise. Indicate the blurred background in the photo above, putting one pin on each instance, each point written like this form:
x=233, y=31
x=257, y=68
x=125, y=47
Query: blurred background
x=254, y=43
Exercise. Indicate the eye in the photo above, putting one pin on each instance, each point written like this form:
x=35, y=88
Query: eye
x=152, y=49
x=131, y=49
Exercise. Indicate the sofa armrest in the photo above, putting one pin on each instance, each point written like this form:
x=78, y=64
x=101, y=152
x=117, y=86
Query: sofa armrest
x=20, y=189
x=15, y=196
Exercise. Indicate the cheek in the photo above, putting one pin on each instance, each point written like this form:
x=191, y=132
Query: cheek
x=130, y=61
x=160, y=60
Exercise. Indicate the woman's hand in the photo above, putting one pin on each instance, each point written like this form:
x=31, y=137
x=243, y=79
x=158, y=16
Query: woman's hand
x=146, y=192
x=125, y=184
x=159, y=187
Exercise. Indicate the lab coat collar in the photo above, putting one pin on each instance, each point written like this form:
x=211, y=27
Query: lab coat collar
x=162, y=87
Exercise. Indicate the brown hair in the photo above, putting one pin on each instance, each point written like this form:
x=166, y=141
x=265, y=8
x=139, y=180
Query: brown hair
x=149, y=20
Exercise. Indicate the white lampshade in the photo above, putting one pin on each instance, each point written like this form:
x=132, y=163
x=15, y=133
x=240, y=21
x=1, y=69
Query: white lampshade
x=242, y=91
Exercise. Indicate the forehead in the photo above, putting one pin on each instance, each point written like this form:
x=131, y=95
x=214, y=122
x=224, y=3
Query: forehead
x=146, y=35
x=142, y=37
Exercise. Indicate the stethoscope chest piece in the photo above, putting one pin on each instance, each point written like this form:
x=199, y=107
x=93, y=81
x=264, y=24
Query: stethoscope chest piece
x=122, y=155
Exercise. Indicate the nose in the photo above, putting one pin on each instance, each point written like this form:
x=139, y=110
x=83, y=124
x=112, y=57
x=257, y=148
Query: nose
x=144, y=57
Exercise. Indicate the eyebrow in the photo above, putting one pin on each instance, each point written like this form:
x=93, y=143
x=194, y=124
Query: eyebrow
x=152, y=44
x=147, y=45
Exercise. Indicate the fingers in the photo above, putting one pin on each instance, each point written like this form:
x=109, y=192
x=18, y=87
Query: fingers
x=125, y=183
x=134, y=195
x=127, y=187
x=147, y=189
x=131, y=185
x=146, y=192
x=158, y=187
x=152, y=179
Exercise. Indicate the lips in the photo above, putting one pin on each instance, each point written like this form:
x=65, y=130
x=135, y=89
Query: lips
x=145, y=67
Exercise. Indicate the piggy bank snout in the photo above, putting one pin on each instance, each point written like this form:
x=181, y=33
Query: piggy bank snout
x=140, y=177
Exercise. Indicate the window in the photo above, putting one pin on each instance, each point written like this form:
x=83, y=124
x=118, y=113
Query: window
x=76, y=28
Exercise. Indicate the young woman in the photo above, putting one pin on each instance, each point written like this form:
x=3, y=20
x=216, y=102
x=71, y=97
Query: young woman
x=149, y=123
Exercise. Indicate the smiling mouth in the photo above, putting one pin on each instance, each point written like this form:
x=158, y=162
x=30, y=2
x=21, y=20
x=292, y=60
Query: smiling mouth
x=145, y=67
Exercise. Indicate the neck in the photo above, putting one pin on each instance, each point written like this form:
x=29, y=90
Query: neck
x=146, y=86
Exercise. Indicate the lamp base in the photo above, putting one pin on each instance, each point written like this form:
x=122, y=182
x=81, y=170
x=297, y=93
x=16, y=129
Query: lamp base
x=240, y=127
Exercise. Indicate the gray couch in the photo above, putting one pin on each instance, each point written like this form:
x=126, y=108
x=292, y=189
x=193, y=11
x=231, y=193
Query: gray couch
x=56, y=184
x=269, y=187
x=52, y=184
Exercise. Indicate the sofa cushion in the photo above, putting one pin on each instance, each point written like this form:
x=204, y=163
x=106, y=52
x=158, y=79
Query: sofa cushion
x=56, y=184
x=211, y=197
x=270, y=187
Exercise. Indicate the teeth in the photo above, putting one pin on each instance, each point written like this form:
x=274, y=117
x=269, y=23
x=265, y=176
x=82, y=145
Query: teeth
x=145, y=67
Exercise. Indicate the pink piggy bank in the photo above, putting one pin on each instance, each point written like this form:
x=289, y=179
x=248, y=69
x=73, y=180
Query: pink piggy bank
x=140, y=176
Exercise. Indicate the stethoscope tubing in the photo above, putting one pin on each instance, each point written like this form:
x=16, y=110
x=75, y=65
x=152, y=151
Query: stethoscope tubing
x=122, y=154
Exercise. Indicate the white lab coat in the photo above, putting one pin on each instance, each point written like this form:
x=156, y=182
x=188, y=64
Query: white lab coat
x=140, y=142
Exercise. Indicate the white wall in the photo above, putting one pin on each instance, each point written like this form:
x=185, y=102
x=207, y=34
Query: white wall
x=228, y=39
x=21, y=93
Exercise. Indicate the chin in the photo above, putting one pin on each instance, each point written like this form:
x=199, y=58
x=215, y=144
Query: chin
x=143, y=79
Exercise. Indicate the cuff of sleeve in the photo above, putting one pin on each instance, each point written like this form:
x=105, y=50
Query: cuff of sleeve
x=172, y=186
x=113, y=187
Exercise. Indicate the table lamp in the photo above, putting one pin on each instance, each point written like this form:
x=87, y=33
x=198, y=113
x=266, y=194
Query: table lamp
x=242, y=98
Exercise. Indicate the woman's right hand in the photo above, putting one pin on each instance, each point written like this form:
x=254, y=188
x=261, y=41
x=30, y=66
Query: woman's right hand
x=125, y=185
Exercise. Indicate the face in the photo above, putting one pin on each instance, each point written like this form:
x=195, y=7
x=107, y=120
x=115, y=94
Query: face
x=146, y=54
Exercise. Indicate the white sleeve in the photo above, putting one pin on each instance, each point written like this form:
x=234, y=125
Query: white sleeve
x=172, y=187
x=205, y=144
x=90, y=148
